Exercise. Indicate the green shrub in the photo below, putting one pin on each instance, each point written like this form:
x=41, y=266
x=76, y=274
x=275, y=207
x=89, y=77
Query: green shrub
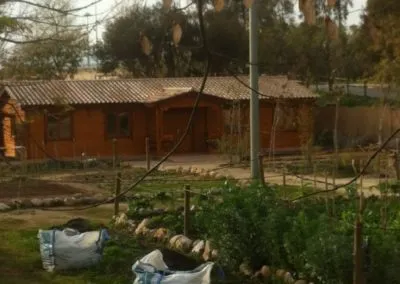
x=311, y=238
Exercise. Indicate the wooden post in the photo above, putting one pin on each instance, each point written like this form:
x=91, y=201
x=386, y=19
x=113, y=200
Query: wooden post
x=284, y=177
x=261, y=167
x=326, y=195
x=24, y=161
x=186, y=211
x=334, y=177
x=361, y=177
x=397, y=164
x=114, y=153
x=117, y=192
x=358, y=277
x=315, y=177
x=147, y=153
x=326, y=181
x=73, y=149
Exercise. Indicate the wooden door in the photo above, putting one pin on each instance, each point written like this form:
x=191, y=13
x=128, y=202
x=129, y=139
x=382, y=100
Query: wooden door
x=200, y=131
x=175, y=123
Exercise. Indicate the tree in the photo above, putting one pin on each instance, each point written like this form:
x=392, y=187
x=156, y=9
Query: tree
x=383, y=22
x=226, y=35
x=51, y=59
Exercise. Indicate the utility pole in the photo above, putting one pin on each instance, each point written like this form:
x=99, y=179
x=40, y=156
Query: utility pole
x=87, y=15
x=254, y=105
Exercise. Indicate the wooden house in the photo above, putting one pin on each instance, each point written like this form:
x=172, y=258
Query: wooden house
x=64, y=119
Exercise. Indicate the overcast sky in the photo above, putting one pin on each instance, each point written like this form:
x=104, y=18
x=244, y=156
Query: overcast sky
x=107, y=8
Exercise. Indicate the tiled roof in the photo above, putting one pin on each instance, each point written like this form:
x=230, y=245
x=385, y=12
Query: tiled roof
x=147, y=90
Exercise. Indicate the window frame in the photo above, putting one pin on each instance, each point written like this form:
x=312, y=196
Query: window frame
x=283, y=124
x=58, y=138
x=118, y=133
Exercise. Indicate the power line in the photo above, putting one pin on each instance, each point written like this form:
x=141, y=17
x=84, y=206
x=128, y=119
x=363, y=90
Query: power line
x=50, y=8
x=189, y=124
x=362, y=172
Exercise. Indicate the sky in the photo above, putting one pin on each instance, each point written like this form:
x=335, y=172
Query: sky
x=107, y=8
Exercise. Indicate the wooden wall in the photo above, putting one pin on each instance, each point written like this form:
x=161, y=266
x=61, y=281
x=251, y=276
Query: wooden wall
x=207, y=123
x=285, y=139
x=151, y=120
x=89, y=134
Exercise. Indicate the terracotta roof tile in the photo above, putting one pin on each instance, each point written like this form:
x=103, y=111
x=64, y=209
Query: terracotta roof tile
x=147, y=90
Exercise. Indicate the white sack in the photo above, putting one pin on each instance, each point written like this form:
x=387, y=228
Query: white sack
x=152, y=269
x=68, y=249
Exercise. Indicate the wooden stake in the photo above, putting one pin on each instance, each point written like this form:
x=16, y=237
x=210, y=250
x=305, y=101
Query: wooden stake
x=284, y=177
x=24, y=161
x=147, y=153
x=361, y=177
x=326, y=195
x=397, y=164
x=261, y=167
x=73, y=149
x=315, y=177
x=358, y=277
x=117, y=192
x=186, y=211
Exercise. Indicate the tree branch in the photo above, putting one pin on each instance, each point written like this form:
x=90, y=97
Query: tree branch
x=61, y=11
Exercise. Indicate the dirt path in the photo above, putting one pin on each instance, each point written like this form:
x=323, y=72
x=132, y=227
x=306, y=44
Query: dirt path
x=215, y=163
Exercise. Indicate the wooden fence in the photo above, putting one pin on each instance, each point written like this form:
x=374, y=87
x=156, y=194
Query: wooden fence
x=357, y=125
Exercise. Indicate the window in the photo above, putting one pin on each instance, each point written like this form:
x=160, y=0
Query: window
x=59, y=127
x=287, y=120
x=118, y=125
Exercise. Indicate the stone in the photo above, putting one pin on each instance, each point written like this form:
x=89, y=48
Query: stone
x=207, y=251
x=198, y=247
x=214, y=254
x=121, y=220
x=99, y=197
x=78, y=195
x=36, y=202
x=288, y=278
x=181, y=242
x=280, y=273
x=47, y=202
x=71, y=201
x=26, y=203
x=142, y=227
x=265, y=272
x=245, y=269
x=57, y=201
x=88, y=200
x=4, y=207
x=17, y=203
x=160, y=234
x=158, y=210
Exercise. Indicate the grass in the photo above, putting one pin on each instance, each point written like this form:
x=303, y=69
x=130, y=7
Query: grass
x=166, y=181
x=20, y=256
x=21, y=262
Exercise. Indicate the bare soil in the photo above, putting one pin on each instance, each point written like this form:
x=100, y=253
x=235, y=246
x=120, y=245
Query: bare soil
x=36, y=188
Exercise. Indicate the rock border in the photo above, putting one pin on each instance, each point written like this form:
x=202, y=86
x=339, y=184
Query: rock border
x=200, y=249
x=49, y=202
